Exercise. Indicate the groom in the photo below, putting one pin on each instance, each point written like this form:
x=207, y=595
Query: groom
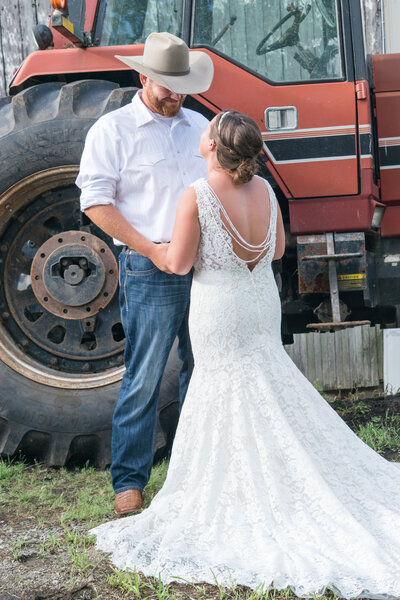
x=136, y=163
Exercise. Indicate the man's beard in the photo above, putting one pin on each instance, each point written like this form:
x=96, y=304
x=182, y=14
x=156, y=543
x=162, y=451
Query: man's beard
x=165, y=107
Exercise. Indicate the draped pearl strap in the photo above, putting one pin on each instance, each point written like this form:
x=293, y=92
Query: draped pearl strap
x=258, y=249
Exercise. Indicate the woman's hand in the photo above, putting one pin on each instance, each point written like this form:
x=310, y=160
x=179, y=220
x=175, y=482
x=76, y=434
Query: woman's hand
x=158, y=256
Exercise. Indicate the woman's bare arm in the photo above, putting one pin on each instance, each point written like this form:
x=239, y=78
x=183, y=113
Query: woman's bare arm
x=280, y=236
x=181, y=252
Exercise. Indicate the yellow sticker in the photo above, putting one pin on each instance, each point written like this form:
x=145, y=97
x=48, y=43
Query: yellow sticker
x=68, y=25
x=352, y=276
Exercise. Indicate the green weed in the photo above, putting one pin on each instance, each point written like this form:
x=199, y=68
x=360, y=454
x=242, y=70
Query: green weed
x=381, y=433
x=128, y=582
x=161, y=591
x=16, y=546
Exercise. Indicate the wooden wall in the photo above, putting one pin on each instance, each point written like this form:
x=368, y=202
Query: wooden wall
x=17, y=17
x=346, y=359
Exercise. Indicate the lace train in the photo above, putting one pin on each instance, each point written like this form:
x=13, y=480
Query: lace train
x=266, y=484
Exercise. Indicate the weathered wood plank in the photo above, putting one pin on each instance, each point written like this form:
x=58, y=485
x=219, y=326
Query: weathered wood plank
x=16, y=40
x=342, y=360
x=379, y=348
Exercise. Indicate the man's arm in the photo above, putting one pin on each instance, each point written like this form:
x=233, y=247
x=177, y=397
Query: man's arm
x=110, y=220
x=98, y=178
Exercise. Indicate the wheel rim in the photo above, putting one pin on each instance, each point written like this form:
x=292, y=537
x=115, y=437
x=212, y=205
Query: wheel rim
x=34, y=341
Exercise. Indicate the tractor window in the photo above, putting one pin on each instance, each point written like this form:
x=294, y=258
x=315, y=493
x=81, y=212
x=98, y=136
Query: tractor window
x=131, y=21
x=282, y=40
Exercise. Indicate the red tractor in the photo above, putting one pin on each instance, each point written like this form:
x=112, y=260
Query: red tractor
x=330, y=120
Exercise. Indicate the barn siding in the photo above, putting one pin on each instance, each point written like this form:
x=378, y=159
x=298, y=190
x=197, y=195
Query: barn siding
x=17, y=18
x=350, y=358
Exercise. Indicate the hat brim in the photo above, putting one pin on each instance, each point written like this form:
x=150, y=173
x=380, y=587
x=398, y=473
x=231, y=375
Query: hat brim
x=198, y=79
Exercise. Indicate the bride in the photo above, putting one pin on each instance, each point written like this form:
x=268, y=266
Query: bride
x=266, y=484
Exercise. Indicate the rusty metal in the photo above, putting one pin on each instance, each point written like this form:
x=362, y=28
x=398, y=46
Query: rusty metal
x=34, y=342
x=336, y=326
x=17, y=360
x=63, y=286
x=324, y=311
x=23, y=192
x=349, y=257
x=341, y=256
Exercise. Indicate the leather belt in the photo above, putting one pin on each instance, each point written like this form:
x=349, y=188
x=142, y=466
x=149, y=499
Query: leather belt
x=128, y=250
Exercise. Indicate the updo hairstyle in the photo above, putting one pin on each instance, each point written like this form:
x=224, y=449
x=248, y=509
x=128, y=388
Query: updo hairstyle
x=238, y=142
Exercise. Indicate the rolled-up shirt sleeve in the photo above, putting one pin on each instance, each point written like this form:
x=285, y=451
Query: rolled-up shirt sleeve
x=99, y=170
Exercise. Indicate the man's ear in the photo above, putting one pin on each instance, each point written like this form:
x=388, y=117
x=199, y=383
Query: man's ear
x=143, y=79
x=211, y=145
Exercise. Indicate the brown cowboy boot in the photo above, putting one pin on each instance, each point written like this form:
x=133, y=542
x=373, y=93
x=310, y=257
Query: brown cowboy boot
x=127, y=502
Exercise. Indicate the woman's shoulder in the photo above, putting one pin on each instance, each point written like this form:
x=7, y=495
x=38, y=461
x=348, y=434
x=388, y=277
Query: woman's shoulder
x=197, y=182
x=198, y=187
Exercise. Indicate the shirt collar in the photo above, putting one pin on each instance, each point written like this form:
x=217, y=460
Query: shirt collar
x=144, y=115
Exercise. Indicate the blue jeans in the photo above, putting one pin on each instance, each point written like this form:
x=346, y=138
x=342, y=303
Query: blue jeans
x=153, y=310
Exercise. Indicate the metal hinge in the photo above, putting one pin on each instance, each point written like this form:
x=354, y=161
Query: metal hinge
x=362, y=90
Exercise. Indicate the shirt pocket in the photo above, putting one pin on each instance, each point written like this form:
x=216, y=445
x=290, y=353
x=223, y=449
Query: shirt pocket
x=150, y=170
x=149, y=160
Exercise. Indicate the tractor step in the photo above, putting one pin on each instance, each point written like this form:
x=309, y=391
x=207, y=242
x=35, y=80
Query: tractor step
x=336, y=326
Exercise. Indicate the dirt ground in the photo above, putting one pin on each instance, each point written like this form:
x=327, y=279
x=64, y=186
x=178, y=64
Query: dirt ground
x=40, y=561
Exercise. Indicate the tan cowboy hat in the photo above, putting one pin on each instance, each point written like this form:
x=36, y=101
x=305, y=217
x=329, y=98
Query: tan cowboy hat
x=167, y=61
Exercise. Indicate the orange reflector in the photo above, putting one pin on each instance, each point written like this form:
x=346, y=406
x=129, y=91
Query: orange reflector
x=58, y=4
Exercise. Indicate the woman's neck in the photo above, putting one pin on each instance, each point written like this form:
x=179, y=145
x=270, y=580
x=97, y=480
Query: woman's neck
x=218, y=175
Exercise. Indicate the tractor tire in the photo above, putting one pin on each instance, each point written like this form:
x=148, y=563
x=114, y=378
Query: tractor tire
x=59, y=380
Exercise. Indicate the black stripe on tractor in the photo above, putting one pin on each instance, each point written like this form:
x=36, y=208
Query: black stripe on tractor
x=389, y=156
x=365, y=143
x=312, y=147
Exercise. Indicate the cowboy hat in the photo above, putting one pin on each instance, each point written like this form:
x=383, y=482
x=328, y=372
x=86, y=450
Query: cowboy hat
x=167, y=61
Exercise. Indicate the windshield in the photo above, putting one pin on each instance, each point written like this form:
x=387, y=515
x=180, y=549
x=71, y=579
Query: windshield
x=284, y=41
x=131, y=21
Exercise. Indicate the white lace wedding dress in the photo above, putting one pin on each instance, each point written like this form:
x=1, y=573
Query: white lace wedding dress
x=266, y=484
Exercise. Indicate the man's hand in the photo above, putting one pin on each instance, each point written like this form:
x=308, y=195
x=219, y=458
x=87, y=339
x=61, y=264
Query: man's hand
x=158, y=256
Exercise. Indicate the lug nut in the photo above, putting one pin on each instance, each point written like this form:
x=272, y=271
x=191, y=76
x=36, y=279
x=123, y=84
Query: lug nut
x=5, y=315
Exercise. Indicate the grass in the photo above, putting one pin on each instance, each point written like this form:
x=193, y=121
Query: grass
x=66, y=503
x=381, y=433
x=128, y=582
x=16, y=546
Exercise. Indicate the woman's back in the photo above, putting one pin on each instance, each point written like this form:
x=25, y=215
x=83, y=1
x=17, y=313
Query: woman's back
x=246, y=209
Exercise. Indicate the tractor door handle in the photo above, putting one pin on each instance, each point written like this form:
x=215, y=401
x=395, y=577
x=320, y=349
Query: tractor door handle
x=280, y=117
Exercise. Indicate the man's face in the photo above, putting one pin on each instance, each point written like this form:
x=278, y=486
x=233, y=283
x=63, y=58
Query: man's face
x=160, y=99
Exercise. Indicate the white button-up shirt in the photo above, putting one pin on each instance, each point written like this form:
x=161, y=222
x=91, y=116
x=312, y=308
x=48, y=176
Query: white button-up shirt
x=142, y=165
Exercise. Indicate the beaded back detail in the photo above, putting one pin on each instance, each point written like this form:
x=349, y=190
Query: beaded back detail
x=216, y=248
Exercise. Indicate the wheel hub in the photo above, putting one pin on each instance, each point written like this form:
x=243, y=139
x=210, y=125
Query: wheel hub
x=74, y=275
x=53, y=346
